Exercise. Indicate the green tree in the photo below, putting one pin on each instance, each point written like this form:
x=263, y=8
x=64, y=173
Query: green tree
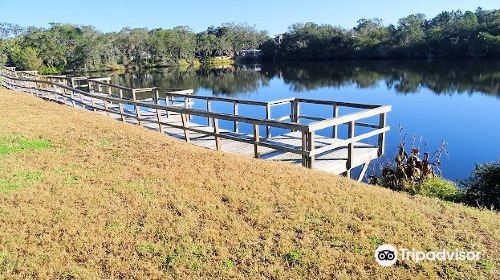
x=482, y=188
x=67, y=47
x=410, y=35
x=25, y=59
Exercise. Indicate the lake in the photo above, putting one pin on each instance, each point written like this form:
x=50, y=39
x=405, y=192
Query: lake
x=453, y=101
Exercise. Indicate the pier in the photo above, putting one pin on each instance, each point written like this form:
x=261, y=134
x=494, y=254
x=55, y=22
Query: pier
x=309, y=140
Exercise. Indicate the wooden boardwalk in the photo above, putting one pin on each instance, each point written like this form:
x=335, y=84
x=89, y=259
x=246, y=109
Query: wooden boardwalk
x=172, y=114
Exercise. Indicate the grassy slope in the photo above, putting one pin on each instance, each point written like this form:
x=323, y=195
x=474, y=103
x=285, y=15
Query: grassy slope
x=106, y=199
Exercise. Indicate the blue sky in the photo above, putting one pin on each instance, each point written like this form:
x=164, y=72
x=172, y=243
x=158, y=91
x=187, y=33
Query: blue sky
x=272, y=15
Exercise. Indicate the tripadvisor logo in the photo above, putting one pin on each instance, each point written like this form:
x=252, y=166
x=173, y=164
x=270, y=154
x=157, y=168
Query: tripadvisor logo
x=387, y=255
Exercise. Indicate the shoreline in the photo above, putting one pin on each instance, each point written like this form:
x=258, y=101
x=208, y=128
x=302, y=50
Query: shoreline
x=147, y=205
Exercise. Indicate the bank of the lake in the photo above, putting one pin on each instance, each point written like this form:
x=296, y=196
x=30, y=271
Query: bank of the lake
x=441, y=100
x=84, y=196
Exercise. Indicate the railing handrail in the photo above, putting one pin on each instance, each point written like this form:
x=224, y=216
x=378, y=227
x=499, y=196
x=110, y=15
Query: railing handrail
x=308, y=150
x=55, y=76
x=318, y=125
x=189, y=111
x=338, y=103
x=95, y=80
x=217, y=98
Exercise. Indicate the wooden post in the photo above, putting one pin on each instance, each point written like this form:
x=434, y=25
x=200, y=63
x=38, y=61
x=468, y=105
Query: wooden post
x=81, y=95
x=334, y=115
x=295, y=111
x=186, y=101
x=120, y=105
x=106, y=102
x=209, y=109
x=304, y=148
x=235, y=112
x=110, y=93
x=363, y=171
x=36, y=88
x=64, y=95
x=72, y=85
x=167, y=103
x=157, y=102
x=216, y=131
x=71, y=82
x=350, y=148
x=51, y=90
x=268, y=116
x=184, y=124
x=137, y=108
x=55, y=91
x=106, y=108
x=310, y=147
x=91, y=98
x=381, y=137
x=256, y=139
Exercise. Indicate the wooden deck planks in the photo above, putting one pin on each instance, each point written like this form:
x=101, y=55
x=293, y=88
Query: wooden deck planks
x=334, y=161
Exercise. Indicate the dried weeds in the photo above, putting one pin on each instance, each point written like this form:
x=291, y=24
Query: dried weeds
x=111, y=200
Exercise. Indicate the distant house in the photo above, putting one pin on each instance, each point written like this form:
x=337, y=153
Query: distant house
x=222, y=57
x=278, y=39
x=249, y=53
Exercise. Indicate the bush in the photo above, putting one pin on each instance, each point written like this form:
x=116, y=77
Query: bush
x=3, y=58
x=482, y=188
x=25, y=58
x=410, y=171
x=47, y=70
x=438, y=187
x=414, y=174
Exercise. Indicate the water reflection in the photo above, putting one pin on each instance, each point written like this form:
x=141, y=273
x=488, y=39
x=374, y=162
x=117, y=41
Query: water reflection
x=456, y=101
x=228, y=81
x=441, y=77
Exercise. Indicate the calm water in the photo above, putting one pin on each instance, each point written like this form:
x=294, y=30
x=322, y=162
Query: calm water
x=458, y=102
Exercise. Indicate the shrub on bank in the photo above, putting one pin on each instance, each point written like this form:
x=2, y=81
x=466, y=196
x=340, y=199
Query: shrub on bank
x=482, y=188
x=438, y=187
x=50, y=70
x=218, y=61
x=416, y=174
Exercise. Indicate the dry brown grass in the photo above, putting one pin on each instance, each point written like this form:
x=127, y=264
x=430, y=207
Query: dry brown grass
x=111, y=200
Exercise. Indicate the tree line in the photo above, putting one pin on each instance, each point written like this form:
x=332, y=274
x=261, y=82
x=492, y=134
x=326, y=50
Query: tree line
x=453, y=34
x=67, y=47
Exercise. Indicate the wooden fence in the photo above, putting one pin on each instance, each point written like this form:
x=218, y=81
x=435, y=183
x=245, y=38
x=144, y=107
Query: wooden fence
x=103, y=96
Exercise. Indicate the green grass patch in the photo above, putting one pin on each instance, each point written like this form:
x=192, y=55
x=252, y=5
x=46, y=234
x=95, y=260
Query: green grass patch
x=7, y=264
x=293, y=257
x=228, y=264
x=115, y=226
x=18, y=144
x=336, y=242
x=170, y=260
x=438, y=187
x=217, y=61
x=375, y=241
x=21, y=179
x=148, y=249
x=485, y=265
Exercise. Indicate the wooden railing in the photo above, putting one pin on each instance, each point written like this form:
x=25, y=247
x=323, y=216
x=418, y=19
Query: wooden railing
x=113, y=99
